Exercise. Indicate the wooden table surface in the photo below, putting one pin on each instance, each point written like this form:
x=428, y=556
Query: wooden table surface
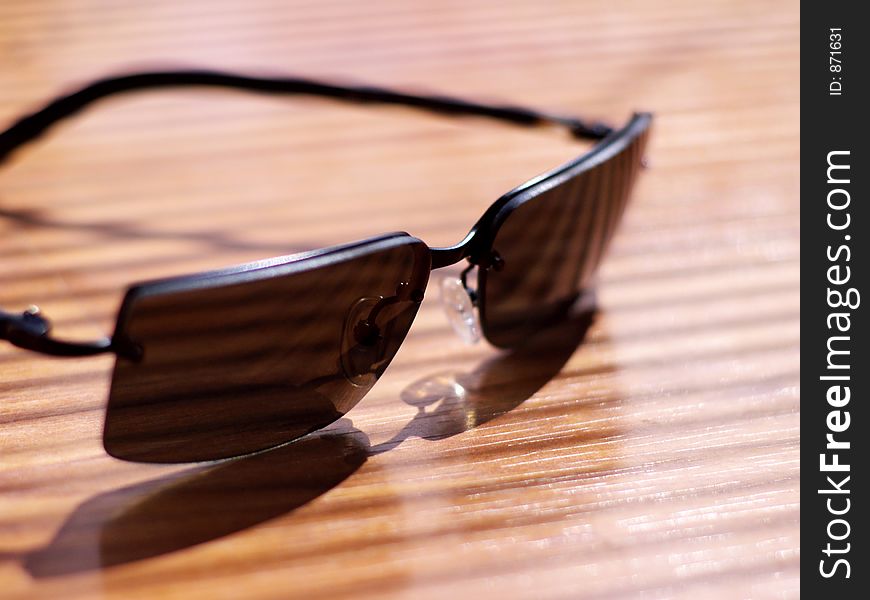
x=658, y=459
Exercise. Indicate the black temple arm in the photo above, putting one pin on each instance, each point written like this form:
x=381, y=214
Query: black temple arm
x=31, y=331
x=33, y=125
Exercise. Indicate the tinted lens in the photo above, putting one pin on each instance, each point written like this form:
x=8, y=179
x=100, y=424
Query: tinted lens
x=247, y=360
x=550, y=245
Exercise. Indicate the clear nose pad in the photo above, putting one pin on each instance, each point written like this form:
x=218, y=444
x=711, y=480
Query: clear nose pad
x=459, y=308
x=362, y=343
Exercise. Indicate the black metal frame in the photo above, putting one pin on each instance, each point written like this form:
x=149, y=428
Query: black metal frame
x=30, y=330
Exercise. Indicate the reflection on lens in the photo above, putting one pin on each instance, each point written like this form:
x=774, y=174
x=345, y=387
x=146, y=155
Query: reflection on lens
x=550, y=246
x=244, y=361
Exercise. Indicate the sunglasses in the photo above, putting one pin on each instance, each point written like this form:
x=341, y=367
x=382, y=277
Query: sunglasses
x=229, y=362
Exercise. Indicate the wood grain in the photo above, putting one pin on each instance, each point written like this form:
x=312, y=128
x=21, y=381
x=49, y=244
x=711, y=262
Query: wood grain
x=659, y=459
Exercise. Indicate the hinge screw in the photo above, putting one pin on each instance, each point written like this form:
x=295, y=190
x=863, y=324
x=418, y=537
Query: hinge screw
x=496, y=261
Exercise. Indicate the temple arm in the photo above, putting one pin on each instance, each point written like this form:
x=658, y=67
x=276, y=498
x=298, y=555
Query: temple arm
x=31, y=331
x=32, y=126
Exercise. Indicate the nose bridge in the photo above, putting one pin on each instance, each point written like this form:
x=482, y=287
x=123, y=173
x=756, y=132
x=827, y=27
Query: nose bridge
x=451, y=255
x=444, y=257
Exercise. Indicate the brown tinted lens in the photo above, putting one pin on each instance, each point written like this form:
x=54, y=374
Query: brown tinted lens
x=551, y=245
x=230, y=369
